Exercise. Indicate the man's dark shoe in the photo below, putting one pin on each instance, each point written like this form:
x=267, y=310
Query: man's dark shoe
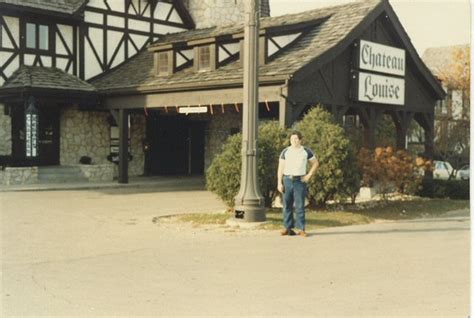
x=289, y=232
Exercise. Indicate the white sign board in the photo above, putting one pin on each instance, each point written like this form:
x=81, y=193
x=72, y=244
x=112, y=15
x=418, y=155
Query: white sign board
x=381, y=58
x=190, y=110
x=381, y=89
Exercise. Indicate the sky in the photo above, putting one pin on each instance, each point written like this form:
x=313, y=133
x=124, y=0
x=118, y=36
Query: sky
x=429, y=23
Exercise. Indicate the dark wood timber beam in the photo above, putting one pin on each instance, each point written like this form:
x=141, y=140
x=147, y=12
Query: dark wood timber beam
x=123, y=146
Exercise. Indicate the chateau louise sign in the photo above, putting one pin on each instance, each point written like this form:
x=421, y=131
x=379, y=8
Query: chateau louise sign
x=379, y=88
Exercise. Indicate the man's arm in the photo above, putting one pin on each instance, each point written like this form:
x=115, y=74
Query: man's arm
x=281, y=167
x=314, y=166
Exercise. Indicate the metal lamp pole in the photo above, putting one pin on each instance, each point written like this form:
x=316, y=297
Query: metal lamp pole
x=249, y=201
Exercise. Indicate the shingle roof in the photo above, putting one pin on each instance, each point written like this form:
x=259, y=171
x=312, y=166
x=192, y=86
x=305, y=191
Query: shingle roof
x=63, y=6
x=439, y=58
x=46, y=77
x=138, y=72
x=265, y=23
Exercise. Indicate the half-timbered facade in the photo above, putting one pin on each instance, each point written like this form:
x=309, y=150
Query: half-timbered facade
x=178, y=96
x=80, y=38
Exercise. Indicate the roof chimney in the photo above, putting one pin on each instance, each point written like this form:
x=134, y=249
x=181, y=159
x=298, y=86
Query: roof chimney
x=207, y=13
x=264, y=8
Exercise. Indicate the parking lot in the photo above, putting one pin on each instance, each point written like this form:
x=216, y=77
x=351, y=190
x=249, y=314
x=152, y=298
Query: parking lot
x=103, y=253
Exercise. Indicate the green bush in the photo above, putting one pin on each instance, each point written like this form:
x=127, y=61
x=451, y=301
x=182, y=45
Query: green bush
x=453, y=189
x=224, y=173
x=271, y=141
x=352, y=175
x=336, y=176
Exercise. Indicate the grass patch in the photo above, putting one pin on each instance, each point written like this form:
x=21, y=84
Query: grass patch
x=317, y=220
x=204, y=218
x=362, y=213
x=401, y=210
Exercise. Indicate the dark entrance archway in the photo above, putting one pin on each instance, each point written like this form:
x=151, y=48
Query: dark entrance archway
x=175, y=145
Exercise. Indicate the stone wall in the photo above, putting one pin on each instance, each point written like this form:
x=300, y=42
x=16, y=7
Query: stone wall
x=21, y=175
x=136, y=167
x=220, y=127
x=100, y=172
x=85, y=133
x=5, y=133
x=207, y=13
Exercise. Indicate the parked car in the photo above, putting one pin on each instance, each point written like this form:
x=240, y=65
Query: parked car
x=442, y=170
x=463, y=173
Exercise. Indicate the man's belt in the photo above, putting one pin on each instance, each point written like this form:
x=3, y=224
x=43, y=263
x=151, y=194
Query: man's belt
x=293, y=177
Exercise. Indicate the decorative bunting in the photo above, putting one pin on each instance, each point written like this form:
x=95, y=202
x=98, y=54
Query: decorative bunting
x=236, y=107
x=212, y=111
x=222, y=108
x=166, y=109
x=268, y=106
x=146, y=111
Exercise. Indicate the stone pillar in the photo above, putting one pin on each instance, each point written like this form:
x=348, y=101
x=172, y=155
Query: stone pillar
x=5, y=132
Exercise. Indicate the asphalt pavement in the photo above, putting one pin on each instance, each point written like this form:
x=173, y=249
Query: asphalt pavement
x=106, y=252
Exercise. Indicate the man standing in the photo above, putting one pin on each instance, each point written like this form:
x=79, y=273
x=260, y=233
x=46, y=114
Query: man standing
x=292, y=182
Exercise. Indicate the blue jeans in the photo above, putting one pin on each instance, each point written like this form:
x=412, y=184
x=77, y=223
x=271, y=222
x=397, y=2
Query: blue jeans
x=294, y=193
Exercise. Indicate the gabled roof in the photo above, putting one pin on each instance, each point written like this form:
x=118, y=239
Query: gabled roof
x=37, y=77
x=334, y=24
x=439, y=58
x=313, y=17
x=69, y=7
x=329, y=31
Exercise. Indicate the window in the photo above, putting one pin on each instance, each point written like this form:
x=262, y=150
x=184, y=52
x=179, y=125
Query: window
x=37, y=36
x=204, y=58
x=163, y=62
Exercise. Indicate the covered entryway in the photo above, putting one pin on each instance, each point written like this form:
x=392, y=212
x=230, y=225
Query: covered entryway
x=175, y=145
x=46, y=92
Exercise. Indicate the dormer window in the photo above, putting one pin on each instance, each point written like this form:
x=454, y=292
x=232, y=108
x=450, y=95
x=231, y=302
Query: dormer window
x=164, y=63
x=37, y=36
x=205, y=57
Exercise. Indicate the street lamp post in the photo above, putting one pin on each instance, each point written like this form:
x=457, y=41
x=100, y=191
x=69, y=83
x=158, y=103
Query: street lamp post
x=249, y=201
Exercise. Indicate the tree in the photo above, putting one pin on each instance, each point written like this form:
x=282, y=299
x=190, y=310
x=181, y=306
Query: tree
x=452, y=132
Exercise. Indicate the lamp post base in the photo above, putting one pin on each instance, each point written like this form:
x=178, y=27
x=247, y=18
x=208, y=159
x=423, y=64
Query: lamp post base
x=250, y=213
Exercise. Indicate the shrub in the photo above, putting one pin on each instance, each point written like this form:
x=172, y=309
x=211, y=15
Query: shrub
x=271, y=141
x=453, y=189
x=352, y=175
x=390, y=170
x=224, y=173
x=332, y=149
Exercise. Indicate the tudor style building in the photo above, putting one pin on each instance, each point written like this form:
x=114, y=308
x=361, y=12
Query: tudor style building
x=178, y=96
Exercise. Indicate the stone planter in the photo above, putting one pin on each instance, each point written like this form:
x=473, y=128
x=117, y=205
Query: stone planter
x=19, y=175
x=100, y=172
x=366, y=193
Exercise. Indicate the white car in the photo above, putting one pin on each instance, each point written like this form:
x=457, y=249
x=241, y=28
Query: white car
x=442, y=170
x=463, y=173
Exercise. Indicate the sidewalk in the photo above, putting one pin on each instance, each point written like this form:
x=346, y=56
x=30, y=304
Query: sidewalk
x=162, y=182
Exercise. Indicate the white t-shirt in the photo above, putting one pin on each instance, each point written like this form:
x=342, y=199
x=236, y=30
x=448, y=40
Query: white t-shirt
x=296, y=160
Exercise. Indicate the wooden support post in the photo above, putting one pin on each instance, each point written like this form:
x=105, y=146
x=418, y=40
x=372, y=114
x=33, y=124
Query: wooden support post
x=123, y=146
x=402, y=122
x=282, y=112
